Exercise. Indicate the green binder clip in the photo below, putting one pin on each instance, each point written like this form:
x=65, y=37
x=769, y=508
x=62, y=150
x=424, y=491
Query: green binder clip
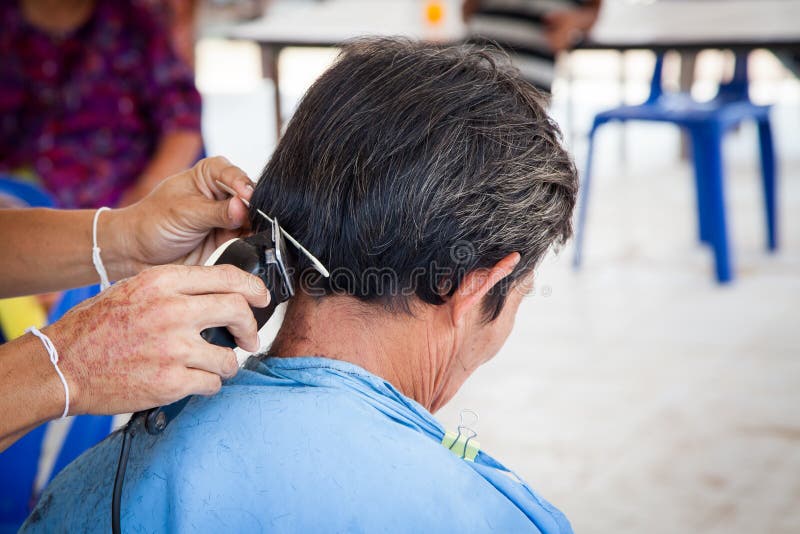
x=463, y=443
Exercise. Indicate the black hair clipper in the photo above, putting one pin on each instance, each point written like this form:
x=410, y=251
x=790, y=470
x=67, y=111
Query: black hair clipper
x=264, y=255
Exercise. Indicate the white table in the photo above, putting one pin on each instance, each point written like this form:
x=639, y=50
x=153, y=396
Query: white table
x=622, y=25
x=328, y=23
x=331, y=22
x=698, y=24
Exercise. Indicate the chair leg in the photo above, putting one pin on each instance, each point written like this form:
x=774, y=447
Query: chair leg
x=583, y=204
x=768, y=181
x=709, y=141
x=698, y=159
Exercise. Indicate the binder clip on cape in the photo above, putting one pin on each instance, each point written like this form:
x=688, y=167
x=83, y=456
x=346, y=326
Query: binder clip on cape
x=263, y=255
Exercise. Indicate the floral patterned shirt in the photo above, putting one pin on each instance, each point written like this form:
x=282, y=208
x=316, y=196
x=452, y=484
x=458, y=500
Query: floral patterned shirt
x=85, y=111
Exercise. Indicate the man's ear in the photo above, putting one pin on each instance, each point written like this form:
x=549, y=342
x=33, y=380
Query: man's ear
x=476, y=284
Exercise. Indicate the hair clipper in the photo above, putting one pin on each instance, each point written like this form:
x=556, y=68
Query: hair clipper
x=263, y=255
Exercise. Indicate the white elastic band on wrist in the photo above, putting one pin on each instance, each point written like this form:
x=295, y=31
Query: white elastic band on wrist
x=51, y=350
x=98, y=263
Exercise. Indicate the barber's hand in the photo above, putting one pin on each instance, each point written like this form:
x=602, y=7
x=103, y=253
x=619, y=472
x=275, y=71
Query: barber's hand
x=184, y=219
x=468, y=8
x=565, y=28
x=137, y=345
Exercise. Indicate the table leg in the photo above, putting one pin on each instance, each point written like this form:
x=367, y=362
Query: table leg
x=688, y=61
x=569, y=110
x=623, y=100
x=270, y=55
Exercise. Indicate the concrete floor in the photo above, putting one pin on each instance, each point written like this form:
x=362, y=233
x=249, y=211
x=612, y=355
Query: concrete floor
x=637, y=394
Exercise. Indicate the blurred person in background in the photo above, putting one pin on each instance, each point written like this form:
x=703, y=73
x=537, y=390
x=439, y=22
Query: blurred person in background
x=95, y=103
x=532, y=31
x=180, y=17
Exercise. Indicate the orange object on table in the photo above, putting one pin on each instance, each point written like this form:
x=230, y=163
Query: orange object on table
x=434, y=12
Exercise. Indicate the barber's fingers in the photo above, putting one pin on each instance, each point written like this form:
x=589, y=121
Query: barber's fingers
x=229, y=213
x=220, y=361
x=220, y=210
x=235, y=178
x=197, y=382
x=230, y=311
x=210, y=170
x=216, y=279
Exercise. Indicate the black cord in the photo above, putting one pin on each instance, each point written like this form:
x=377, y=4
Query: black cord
x=119, y=479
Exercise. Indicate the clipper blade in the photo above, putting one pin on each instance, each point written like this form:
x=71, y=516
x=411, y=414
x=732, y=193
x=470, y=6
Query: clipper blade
x=320, y=268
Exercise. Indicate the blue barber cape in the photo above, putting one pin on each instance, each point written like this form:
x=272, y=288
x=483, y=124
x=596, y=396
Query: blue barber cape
x=295, y=445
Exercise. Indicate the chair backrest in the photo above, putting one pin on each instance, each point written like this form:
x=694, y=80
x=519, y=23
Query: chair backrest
x=737, y=88
x=71, y=298
x=27, y=193
x=656, y=89
x=19, y=464
x=734, y=90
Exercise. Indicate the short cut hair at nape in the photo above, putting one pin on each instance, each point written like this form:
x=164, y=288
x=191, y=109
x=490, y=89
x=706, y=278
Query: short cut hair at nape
x=407, y=165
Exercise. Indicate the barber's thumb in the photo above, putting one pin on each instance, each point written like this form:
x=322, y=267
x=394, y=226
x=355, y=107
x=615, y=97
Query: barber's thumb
x=230, y=213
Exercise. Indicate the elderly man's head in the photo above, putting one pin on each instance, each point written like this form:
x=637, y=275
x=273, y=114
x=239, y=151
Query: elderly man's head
x=430, y=181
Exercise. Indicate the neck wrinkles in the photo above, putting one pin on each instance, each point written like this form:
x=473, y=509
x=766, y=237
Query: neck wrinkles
x=408, y=352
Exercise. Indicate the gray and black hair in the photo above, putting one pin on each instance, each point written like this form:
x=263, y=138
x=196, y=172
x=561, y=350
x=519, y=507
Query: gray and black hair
x=422, y=162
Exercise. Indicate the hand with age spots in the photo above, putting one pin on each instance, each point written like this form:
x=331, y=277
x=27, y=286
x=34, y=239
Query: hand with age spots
x=567, y=27
x=136, y=345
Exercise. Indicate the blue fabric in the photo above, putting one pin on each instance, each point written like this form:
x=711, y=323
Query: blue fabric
x=296, y=445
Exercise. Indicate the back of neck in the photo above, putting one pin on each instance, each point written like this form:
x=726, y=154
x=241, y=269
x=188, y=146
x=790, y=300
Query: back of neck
x=392, y=345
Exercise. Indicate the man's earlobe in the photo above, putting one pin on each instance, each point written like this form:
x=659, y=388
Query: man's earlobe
x=476, y=284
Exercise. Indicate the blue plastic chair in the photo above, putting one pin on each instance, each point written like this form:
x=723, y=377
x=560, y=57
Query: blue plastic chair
x=27, y=193
x=19, y=463
x=706, y=123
